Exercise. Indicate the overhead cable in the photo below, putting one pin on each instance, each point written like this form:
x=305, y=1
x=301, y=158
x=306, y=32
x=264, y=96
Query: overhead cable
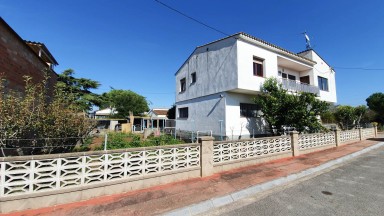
x=191, y=18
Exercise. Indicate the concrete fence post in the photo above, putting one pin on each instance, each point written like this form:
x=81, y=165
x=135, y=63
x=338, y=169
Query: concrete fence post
x=295, y=143
x=206, y=155
x=375, y=130
x=337, y=137
x=361, y=133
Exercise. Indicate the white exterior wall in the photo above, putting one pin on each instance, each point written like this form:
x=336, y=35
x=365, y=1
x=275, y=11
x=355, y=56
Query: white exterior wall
x=237, y=125
x=216, y=70
x=324, y=70
x=246, y=52
x=204, y=114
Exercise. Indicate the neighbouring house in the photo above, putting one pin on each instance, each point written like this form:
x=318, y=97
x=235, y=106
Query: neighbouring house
x=24, y=58
x=217, y=82
x=104, y=113
x=158, y=117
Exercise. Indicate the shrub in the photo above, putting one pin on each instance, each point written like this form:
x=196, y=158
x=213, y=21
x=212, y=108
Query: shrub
x=32, y=123
x=120, y=140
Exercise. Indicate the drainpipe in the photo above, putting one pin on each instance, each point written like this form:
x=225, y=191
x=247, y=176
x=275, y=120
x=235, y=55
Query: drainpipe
x=221, y=130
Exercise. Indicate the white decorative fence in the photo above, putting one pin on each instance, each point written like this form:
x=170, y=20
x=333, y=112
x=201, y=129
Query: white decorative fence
x=26, y=181
x=368, y=133
x=349, y=135
x=307, y=141
x=232, y=151
x=37, y=175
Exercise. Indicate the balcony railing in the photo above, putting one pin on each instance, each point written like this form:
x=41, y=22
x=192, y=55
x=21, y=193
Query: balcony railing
x=296, y=86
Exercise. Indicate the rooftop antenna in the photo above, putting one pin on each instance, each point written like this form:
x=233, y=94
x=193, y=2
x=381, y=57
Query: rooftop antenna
x=307, y=41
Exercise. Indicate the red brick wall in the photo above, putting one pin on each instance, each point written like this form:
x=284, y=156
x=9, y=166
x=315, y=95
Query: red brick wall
x=17, y=60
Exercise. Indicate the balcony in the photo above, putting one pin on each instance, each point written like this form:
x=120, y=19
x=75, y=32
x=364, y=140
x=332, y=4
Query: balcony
x=296, y=86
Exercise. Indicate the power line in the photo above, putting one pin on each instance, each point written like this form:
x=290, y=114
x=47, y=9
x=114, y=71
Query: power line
x=359, y=68
x=191, y=18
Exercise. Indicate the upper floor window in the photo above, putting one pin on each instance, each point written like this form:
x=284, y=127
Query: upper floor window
x=183, y=112
x=193, y=77
x=183, y=85
x=248, y=110
x=258, y=69
x=287, y=76
x=291, y=77
x=323, y=83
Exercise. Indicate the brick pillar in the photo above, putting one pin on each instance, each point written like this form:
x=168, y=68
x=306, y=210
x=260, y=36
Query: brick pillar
x=206, y=155
x=337, y=137
x=295, y=143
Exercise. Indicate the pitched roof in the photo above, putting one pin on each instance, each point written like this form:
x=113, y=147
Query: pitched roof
x=2, y=22
x=262, y=42
x=37, y=46
x=160, y=111
x=259, y=42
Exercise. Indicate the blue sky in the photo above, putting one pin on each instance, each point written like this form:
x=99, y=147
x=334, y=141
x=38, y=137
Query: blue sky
x=139, y=45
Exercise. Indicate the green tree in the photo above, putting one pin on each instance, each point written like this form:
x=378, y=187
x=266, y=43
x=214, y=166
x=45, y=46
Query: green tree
x=360, y=112
x=375, y=102
x=80, y=89
x=345, y=116
x=280, y=108
x=124, y=101
x=171, y=114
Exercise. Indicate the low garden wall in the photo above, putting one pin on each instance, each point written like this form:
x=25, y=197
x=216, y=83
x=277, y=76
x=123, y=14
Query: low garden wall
x=28, y=182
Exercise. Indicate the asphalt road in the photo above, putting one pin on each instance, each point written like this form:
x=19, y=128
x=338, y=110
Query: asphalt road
x=354, y=188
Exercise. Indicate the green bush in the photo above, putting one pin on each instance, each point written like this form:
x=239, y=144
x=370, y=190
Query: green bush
x=118, y=140
x=35, y=124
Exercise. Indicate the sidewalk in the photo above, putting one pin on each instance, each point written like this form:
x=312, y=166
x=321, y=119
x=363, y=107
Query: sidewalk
x=174, y=197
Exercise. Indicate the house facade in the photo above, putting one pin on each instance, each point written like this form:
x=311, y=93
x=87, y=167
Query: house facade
x=216, y=84
x=23, y=58
x=158, y=117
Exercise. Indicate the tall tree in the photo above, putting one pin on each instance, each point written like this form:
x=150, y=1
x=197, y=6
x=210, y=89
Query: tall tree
x=281, y=108
x=124, y=101
x=80, y=88
x=171, y=114
x=375, y=102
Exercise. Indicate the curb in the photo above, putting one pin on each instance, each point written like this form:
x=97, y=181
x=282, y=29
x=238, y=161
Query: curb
x=253, y=190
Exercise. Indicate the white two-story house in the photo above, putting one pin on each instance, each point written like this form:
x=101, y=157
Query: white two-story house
x=216, y=84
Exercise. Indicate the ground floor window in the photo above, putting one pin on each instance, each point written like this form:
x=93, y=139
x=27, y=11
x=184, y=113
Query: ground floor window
x=248, y=110
x=183, y=112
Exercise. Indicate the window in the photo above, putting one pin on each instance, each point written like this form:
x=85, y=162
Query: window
x=304, y=79
x=258, y=67
x=193, y=77
x=323, y=83
x=183, y=112
x=287, y=76
x=291, y=77
x=183, y=85
x=248, y=110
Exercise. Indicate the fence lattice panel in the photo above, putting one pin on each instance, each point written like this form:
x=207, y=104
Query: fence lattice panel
x=307, y=141
x=368, y=133
x=349, y=135
x=232, y=151
x=24, y=177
